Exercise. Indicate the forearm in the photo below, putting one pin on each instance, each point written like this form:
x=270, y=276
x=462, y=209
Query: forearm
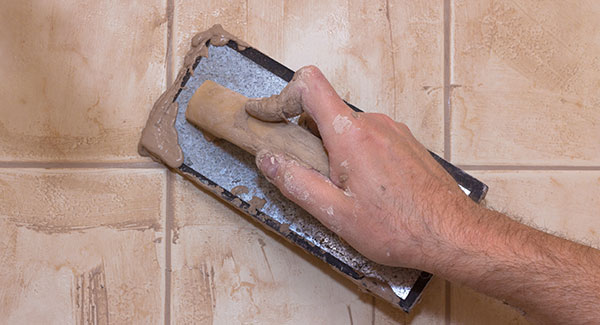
x=549, y=278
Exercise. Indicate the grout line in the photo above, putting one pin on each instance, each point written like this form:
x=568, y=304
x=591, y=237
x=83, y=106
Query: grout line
x=393, y=54
x=168, y=235
x=67, y=164
x=448, y=293
x=373, y=302
x=447, y=89
x=529, y=167
x=170, y=179
x=169, y=53
x=447, y=125
x=247, y=21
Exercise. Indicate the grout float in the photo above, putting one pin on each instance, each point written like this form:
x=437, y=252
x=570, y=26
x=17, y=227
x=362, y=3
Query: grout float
x=160, y=142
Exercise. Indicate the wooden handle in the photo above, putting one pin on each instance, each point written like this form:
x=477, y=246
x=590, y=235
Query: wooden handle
x=220, y=112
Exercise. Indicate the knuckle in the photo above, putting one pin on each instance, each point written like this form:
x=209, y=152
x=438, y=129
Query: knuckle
x=386, y=120
x=307, y=72
x=377, y=130
x=381, y=117
x=403, y=127
x=310, y=69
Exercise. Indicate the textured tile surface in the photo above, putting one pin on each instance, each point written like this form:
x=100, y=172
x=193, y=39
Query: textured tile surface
x=561, y=202
x=228, y=270
x=526, y=82
x=373, y=53
x=81, y=246
x=73, y=199
x=416, y=30
x=191, y=17
x=470, y=307
x=78, y=80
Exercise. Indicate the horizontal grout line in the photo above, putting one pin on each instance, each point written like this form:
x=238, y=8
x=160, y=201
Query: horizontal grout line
x=144, y=165
x=59, y=164
x=528, y=167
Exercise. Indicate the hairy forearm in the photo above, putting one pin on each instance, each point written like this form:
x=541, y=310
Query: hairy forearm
x=551, y=279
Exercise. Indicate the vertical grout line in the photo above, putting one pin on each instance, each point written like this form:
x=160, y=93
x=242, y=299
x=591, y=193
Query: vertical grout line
x=373, y=302
x=281, y=38
x=448, y=295
x=447, y=125
x=169, y=52
x=447, y=89
x=168, y=229
x=169, y=190
x=393, y=54
x=247, y=21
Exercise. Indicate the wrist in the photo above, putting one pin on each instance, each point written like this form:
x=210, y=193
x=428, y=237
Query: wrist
x=474, y=242
x=459, y=233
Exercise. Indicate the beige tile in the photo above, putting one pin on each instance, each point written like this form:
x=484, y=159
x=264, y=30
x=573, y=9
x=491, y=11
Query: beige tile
x=265, y=27
x=562, y=202
x=417, y=33
x=470, y=307
x=78, y=79
x=381, y=58
x=227, y=269
x=60, y=265
x=526, y=85
x=61, y=278
x=432, y=307
x=349, y=41
x=191, y=17
x=74, y=199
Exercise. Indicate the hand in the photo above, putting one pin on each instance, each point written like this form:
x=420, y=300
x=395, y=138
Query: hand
x=389, y=199
x=386, y=196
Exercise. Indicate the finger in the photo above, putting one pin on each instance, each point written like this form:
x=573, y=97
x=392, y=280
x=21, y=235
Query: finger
x=308, y=91
x=280, y=107
x=320, y=101
x=307, y=188
x=309, y=124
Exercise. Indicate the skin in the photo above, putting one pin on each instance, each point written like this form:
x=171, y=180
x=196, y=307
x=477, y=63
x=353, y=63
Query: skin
x=391, y=201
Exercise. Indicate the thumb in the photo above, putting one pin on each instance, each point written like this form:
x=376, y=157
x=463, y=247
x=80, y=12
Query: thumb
x=308, y=188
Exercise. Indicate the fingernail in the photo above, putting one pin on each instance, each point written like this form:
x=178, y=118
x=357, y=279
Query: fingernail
x=267, y=163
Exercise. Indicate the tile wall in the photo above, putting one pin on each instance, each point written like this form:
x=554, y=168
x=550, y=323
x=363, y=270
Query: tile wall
x=92, y=232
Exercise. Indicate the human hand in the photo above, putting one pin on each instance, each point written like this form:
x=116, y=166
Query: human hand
x=389, y=199
x=386, y=196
